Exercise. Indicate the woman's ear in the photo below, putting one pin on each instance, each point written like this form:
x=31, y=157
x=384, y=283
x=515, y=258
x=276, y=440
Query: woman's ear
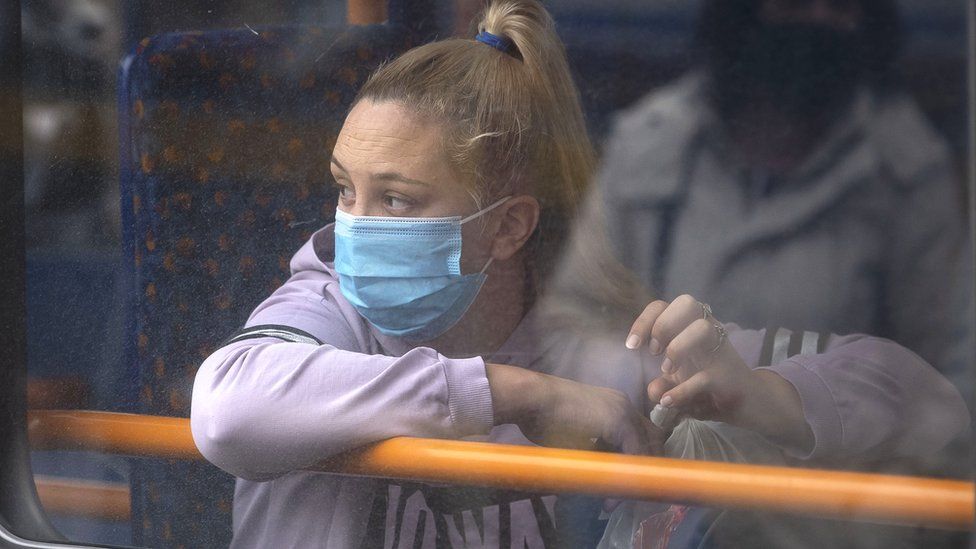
x=517, y=220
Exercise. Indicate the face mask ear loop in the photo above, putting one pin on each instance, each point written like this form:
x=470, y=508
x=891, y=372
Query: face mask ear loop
x=497, y=203
x=487, y=264
x=480, y=213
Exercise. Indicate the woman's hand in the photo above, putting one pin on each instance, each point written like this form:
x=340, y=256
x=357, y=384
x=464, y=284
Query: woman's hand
x=704, y=376
x=553, y=411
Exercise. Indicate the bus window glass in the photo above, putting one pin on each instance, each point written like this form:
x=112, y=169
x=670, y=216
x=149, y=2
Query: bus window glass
x=724, y=230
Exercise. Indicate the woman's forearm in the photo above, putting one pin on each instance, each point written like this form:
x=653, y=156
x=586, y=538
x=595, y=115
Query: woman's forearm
x=263, y=407
x=515, y=392
x=776, y=412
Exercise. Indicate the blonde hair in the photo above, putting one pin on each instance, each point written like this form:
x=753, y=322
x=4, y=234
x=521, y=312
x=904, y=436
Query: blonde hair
x=513, y=118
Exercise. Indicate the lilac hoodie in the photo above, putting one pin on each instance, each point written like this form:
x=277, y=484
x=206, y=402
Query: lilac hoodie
x=308, y=378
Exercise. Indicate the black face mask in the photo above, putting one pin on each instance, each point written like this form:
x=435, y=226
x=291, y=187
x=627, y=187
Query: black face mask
x=805, y=69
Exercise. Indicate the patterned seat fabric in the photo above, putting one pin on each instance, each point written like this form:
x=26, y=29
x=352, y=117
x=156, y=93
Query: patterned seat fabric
x=225, y=144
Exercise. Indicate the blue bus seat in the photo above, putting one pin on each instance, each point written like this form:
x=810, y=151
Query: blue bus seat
x=225, y=139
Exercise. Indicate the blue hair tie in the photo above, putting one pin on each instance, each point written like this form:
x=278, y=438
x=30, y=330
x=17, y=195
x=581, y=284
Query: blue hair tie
x=497, y=42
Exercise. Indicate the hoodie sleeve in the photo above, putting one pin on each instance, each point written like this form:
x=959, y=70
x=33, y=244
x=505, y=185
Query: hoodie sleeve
x=863, y=397
x=928, y=272
x=303, y=381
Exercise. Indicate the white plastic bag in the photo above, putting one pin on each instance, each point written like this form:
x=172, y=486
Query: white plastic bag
x=631, y=521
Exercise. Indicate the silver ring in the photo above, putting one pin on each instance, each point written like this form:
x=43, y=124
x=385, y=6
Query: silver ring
x=723, y=334
x=706, y=310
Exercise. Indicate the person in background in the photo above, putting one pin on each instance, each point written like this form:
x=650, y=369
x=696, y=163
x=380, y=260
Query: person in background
x=788, y=181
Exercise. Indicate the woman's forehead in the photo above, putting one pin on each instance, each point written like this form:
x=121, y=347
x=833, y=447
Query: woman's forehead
x=385, y=141
x=387, y=132
x=386, y=116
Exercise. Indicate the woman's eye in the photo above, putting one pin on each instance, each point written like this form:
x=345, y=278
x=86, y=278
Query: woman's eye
x=396, y=202
x=345, y=192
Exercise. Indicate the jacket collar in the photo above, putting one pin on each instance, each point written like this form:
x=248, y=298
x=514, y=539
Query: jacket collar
x=648, y=156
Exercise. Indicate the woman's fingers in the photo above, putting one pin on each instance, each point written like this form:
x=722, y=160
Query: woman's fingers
x=660, y=322
x=685, y=394
x=657, y=387
x=692, y=350
x=641, y=329
x=633, y=439
x=678, y=316
x=640, y=436
x=714, y=387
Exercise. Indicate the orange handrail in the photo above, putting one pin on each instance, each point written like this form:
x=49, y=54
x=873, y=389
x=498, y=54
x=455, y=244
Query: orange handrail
x=111, y=433
x=835, y=494
x=852, y=496
x=86, y=498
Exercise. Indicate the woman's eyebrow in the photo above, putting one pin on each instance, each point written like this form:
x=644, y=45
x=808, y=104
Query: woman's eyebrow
x=338, y=164
x=395, y=176
x=385, y=176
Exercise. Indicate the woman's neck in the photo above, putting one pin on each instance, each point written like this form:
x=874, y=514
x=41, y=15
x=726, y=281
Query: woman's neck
x=494, y=315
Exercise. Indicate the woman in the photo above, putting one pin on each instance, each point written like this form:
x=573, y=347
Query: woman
x=419, y=312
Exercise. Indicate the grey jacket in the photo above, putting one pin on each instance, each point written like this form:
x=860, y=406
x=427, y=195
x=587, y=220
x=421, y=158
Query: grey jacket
x=867, y=236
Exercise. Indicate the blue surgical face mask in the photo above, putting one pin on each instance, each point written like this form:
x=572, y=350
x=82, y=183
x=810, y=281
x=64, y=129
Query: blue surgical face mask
x=403, y=274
